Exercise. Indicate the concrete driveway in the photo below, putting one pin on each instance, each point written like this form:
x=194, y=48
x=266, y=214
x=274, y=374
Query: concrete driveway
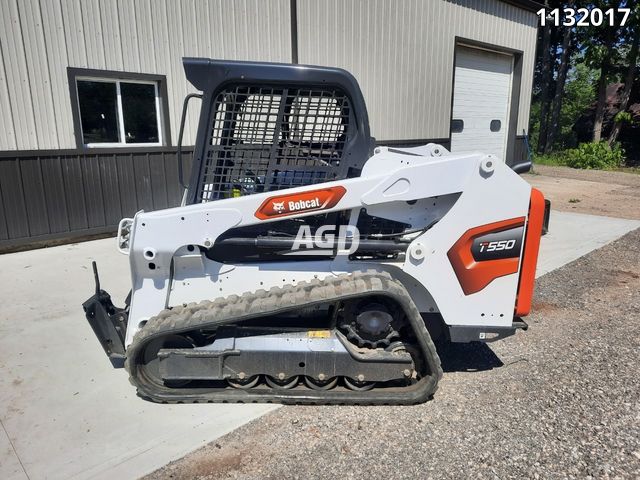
x=65, y=413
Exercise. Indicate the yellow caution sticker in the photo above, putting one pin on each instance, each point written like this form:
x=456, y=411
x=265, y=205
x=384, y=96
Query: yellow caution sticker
x=319, y=333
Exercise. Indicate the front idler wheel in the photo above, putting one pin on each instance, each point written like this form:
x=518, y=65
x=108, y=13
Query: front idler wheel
x=150, y=365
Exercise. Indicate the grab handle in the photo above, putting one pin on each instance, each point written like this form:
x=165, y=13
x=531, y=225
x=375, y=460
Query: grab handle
x=185, y=105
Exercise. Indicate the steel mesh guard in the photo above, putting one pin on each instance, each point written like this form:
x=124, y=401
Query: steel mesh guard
x=272, y=138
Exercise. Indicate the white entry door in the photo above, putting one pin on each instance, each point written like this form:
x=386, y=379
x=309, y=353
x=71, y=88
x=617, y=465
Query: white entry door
x=481, y=98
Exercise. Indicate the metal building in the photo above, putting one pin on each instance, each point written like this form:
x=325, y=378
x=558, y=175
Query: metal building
x=457, y=72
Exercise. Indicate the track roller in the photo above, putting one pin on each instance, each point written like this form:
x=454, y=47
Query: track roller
x=245, y=384
x=358, y=386
x=286, y=383
x=319, y=384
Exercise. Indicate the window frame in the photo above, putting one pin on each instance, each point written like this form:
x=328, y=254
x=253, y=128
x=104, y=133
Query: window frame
x=110, y=76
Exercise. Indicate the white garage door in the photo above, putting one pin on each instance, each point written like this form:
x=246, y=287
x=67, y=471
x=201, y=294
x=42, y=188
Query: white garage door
x=481, y=97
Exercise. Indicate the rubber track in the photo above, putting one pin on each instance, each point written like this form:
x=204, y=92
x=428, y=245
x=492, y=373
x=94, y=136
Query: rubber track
x=210, y=314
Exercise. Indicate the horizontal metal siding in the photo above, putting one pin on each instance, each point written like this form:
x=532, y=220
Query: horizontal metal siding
x=74, y=194
x=402, y=54
x=39, y=39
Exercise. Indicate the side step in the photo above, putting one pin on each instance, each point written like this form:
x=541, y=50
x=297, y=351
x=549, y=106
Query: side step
x=474, y=333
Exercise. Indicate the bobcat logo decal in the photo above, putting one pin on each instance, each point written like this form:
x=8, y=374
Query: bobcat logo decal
x=300, y=202
x=278, y=207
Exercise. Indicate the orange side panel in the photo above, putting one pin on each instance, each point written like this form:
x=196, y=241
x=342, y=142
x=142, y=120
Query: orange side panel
x=530, y=256
x=474, y=276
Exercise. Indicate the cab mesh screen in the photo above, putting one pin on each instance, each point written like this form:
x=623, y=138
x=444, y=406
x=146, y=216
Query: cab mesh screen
x=272, y=138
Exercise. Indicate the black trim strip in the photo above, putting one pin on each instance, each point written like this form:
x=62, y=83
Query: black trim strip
x=408, y=142
x=90, y=151
x=413, y=142
x=51, y=239
x=294, y=31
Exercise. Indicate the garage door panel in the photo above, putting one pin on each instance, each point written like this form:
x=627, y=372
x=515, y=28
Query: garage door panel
x=482, y=92
x=478, y=59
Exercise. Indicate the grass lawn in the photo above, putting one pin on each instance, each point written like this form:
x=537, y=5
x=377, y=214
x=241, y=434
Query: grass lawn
x=559, y=160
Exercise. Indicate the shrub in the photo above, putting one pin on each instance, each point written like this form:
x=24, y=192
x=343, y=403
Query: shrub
x=595, y=155
x=623, y=117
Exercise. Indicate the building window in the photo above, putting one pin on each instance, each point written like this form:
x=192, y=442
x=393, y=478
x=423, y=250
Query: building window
x=116, y=109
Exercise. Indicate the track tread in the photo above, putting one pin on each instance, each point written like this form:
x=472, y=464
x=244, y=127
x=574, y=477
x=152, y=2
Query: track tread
x=234, y=308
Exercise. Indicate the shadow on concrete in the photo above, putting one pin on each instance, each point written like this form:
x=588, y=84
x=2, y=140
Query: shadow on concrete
x=467, y=357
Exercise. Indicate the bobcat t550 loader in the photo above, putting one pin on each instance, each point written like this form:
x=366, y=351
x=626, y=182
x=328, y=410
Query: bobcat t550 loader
x=305, y=264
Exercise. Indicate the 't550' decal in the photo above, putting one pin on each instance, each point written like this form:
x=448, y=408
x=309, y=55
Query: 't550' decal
x=493, y=246
x=497, y=246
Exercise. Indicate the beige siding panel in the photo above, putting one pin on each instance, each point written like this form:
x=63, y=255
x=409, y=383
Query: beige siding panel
x=129, y=36
x=44, y=37
x=162, y=53
x=74, y=32
x=402, y=53
x=110, y=22
x=38, y=73
x=17, y=76
x=7, y=132
x=241, y=29
x=189, y=36
x=178, y=50
x=146, y=37
x=56, y=58
x=93, y=34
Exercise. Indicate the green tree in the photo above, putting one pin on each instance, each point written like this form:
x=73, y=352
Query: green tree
x=563, y=70
x=602, y=51
x=549, y=41
x=633, y=37
x=579, y=95
x=545, y=77
x=574, y=67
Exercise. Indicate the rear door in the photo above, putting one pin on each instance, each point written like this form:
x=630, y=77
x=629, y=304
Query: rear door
x=481, y=98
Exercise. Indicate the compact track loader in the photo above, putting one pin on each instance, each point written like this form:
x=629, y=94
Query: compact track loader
x=307, y=265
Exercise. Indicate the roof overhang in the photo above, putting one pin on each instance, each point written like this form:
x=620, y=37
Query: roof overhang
x=530, y=5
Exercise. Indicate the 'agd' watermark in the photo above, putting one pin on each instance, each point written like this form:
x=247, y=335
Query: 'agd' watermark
x=325, y=239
